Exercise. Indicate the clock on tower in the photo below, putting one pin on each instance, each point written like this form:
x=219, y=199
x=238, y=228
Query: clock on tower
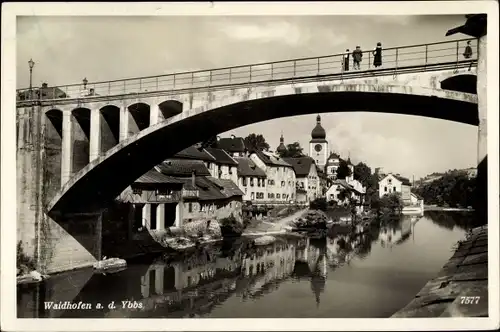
x=318, y=145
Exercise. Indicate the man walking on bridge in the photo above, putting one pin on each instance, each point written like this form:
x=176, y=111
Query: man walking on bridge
x=357, y=55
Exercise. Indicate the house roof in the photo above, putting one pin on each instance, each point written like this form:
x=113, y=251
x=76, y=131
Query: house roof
x=271, y=160
x=208, y=191
x=230, y=144
x=343, y=183
x=154, y=176
x=221, y=156
x=229, y=188
x=194, y=152
x=246, y=167
x=403, y=180
x=301, y=165
x=183, y=167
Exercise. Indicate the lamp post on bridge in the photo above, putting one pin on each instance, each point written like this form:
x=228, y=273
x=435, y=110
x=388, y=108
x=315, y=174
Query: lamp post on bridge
x=31, y=64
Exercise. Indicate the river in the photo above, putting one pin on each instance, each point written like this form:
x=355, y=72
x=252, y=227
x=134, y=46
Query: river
x=364, y=276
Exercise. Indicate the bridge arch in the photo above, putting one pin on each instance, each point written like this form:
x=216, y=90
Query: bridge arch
x=109, y=127
x=53, y=135
x=139, y=117
x=170, y=108
x=141, y=153
x=80, y=130
x=463, y=83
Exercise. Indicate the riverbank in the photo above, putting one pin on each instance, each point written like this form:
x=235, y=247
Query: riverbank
x=446, y=209
x=461, y=287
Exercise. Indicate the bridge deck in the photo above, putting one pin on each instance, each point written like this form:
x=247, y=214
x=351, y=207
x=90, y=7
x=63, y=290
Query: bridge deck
x=397, y=60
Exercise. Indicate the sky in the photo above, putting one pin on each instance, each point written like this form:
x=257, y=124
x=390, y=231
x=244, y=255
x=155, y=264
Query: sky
x=67, y=49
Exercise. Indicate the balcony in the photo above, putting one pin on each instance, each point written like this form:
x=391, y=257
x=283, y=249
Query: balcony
x=190, y=193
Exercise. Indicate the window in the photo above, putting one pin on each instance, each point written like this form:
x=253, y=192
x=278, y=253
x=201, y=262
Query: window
x=251, y=182
x=190, y=207
x=385, y=189
x=252, y=195
x=278, y=196
x=230, y=170
x=283, y=183
x=263, y=183
x=209, y=165
x=244, y=181
x=258, y=182
x=137, y=191
x=268, y=195
x=394, y=189
x=390, y=181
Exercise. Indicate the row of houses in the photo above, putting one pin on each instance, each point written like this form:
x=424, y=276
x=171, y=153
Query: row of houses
x=206, y=183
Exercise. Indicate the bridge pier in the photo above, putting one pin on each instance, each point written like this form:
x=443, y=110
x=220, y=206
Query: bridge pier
x=123, y=123
x=95, y=134
x=482, y=149
x=67, y=148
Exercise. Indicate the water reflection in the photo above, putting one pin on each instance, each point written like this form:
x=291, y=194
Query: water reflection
x=233, y=279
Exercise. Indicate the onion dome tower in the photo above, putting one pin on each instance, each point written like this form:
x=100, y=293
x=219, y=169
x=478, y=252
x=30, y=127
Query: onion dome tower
x=318, y=145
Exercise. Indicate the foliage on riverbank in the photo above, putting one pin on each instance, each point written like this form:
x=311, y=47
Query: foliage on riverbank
x=24, y=263
x=319, y=204
x=453, y=189
x=388, y=204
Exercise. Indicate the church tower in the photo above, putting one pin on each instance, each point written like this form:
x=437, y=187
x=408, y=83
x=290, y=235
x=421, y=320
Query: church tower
x=282, y=146
x=318, y=145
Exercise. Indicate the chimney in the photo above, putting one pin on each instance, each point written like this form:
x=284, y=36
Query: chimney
x=45, y=85
x=193, y=178
x=233, y=137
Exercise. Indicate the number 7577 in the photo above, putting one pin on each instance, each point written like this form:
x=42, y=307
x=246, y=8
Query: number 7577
x=469, y=299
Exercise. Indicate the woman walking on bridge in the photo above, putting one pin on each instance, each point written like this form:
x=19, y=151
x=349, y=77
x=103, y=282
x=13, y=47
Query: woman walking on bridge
x=377, y=55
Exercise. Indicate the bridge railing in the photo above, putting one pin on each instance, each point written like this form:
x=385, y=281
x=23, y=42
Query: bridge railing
x=395, y=58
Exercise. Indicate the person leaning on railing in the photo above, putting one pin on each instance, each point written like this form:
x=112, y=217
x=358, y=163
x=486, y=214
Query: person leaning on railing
x=357, y=55
x=468, y=53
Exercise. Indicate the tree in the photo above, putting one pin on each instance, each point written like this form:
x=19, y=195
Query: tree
x=344, y=194
x=363, y=173
x=392, y=201
x=343, y=171
x=293, y=150
x=256, y=142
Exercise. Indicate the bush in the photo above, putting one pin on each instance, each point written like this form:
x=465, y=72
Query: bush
x=23, y=262
x=319, y=204
x=231, y=227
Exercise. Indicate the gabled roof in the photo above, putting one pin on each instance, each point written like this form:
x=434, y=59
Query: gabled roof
x=403, y=180
x=343, y=183
x=229, y=188
x=221, y=156
x=183, y=167
x=271, y=160
x=208, y=191
x=236, y=144
x=154, y=176
x=301, y=165
x=246, y=167
x=194, y=152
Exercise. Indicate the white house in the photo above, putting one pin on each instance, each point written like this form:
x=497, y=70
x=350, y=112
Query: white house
x=334, y=193
x=395, y=183
x=333, y=164
x=252, y=181
x=280, y=176
x=307, y=178
x=225, y=167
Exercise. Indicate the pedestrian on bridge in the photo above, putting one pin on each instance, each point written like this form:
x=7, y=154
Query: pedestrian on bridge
x=345, y=60
x=377, y=55
x=468, y=53
x=357, y=55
